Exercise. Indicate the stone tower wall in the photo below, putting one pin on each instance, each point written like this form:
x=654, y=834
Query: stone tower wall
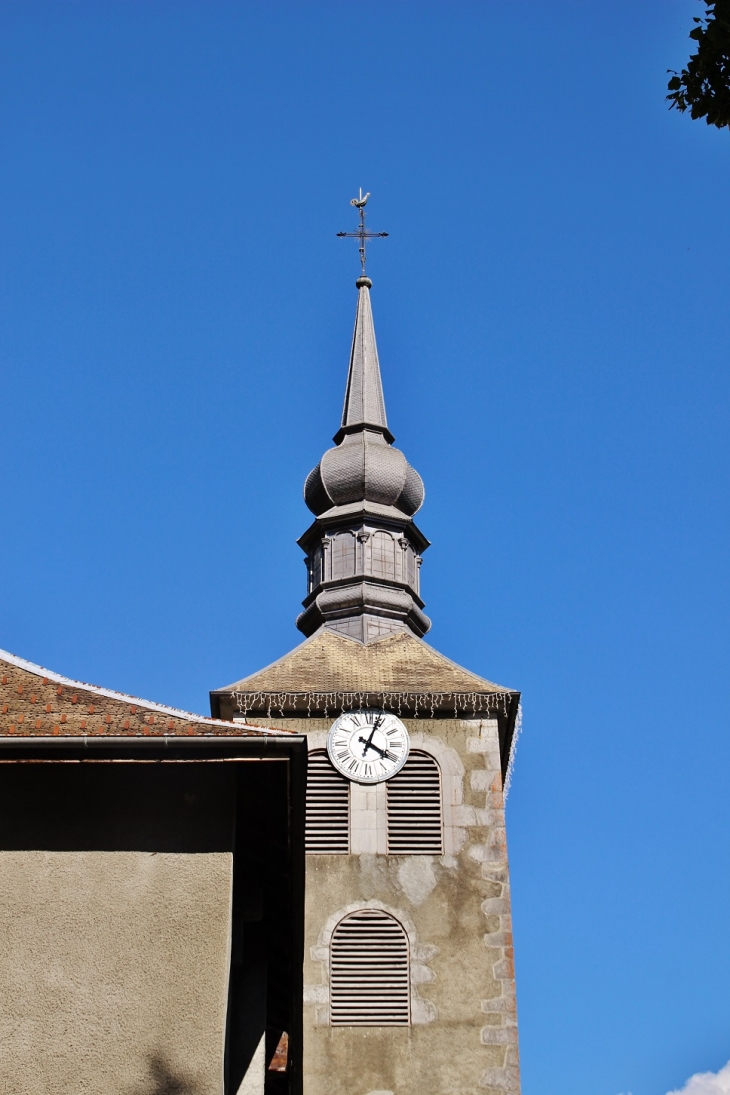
x=455, y=910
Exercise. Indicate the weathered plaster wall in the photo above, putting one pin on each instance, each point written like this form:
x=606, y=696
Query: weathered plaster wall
x=113, y=972
x=456, y=911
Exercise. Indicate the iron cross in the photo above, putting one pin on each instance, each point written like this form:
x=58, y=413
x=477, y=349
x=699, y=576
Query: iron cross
x=362, y=233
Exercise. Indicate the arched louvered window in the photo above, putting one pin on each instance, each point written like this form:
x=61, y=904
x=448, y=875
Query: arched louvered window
x=410, y=560
x=369, y=978
x=327, y=828
x=343, y=555
x=316, y=569
x=415, y=822
x=383, y=555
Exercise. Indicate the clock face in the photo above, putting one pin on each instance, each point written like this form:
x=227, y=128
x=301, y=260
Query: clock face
x=368, y=746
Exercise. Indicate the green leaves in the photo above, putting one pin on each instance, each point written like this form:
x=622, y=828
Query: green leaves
x=703, y=87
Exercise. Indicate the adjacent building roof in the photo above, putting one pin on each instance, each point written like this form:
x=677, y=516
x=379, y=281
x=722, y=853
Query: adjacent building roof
x=35, y=702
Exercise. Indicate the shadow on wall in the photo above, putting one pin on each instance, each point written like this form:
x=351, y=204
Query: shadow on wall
x=163, y=1081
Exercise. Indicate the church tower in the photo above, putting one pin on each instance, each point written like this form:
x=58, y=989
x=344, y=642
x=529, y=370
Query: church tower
x=409, y=981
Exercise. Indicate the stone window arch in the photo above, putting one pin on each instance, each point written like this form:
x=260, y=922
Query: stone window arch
x=419, y=973
x=369, y=971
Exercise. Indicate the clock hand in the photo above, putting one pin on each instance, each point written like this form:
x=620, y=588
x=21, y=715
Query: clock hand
x=385, y=753
x=368, y=743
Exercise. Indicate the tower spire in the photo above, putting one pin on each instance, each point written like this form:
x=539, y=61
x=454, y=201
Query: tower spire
x=364, y=401
x=363, y=549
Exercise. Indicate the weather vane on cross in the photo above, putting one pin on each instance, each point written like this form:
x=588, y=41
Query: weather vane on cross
x=362, y=233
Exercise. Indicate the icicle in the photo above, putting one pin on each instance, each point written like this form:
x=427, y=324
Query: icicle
x=513, y=747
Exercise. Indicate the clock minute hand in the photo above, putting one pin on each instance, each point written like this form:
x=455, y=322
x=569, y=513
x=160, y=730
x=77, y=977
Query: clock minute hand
x=369, y=742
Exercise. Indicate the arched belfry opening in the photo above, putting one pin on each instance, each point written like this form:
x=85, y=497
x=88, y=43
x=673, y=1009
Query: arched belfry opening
x=369, y=976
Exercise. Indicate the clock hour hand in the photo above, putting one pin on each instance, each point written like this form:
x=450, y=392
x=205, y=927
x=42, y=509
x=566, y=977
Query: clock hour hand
x=368, y=743
x=385, y=754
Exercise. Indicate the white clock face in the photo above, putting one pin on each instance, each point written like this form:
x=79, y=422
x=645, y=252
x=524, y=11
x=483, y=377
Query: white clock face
x=368, y=746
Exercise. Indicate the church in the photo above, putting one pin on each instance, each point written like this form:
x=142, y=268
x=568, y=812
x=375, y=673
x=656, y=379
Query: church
x=351, y=939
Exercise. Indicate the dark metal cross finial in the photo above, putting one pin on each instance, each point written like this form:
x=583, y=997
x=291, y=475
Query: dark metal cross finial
x=362, y=233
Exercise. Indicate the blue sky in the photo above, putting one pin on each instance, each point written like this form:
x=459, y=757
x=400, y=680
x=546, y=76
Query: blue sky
x=553, y=324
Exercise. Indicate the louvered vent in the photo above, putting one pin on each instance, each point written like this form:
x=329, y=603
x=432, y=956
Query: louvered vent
x=328, y=808
x=414, y=808
x=369, y=983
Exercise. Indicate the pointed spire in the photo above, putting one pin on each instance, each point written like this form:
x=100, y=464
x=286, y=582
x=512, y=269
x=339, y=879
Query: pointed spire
x=363, y=550
x=364, y=402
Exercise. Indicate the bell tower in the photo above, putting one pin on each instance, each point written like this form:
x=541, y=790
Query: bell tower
x=409, y=977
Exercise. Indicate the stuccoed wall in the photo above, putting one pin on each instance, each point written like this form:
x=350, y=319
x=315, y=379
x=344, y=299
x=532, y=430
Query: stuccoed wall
x=113, y=972
x=456, y=911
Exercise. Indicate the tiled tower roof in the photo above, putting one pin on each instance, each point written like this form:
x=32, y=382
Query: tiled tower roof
x=329, y=662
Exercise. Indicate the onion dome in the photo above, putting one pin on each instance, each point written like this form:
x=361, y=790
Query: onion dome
x=364, y=467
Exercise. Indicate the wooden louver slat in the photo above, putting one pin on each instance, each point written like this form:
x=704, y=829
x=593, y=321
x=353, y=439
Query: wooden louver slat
x=328, y=808
x=414, y=808
x=369, y=973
